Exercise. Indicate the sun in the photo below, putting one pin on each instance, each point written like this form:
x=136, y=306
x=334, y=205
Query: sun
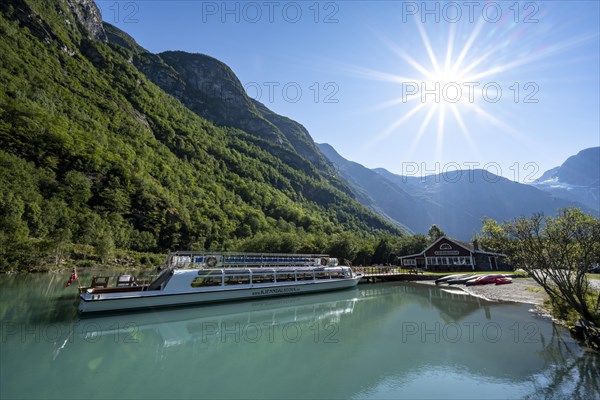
x=443, y=87
x=459, y=82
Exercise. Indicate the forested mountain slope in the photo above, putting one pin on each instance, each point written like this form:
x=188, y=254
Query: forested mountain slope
x=95, y=153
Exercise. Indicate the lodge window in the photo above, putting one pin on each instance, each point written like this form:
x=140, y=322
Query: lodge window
x=448, y=261
x=409, y=262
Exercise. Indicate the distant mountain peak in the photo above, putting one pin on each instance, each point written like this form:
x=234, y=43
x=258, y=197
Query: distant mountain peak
x=548, y=175
x=578, y=178
x=582, y=168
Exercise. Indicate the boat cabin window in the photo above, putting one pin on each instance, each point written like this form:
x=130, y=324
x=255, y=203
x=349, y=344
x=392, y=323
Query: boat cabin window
x=305, y=276
x=237, y=279
x=263, y=278
x=337, y=275
x=286, y=277
x=202, y=281
x=321, y=275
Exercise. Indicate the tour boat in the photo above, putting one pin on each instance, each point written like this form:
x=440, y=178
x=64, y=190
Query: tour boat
x=196, y=278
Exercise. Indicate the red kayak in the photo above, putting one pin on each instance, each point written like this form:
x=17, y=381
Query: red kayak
x=486, y=279
x=503, y=281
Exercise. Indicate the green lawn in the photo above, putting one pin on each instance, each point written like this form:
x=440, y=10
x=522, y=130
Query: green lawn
x=593, y=276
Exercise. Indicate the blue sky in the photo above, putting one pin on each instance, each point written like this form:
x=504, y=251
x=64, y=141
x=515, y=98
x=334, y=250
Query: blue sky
x=414, y=87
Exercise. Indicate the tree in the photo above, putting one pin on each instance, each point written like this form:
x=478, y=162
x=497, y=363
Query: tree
x=412, y=245
x=105, y=247
x=343, y=246
x=557, y=252
x=435, y=233
x=383, y=253
x=60, y=238
x=495, y=237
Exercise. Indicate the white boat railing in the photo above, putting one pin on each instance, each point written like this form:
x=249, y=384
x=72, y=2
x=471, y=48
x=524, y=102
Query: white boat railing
x=191, y=259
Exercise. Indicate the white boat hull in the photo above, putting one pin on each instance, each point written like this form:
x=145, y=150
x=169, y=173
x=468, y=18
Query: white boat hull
x=154, y=299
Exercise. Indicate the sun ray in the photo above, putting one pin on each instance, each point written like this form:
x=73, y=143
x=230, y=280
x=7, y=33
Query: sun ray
x=450, y=48
x=439, y=145
x=478, y=61
x=421, y=130
x=395, y=102
x=388, y=131
x=474, y=34
x=514, y=133
x=551, y=50
x=380, y=76
x=428, y=47
x=402, y=54
x=463, y=127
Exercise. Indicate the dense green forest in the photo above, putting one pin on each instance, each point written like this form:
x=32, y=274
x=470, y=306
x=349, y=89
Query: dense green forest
x=96, y=161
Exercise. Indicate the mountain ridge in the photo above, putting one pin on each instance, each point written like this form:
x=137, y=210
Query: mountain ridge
x=454, y=201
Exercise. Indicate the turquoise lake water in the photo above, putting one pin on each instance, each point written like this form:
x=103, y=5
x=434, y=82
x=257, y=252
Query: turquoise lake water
x=389, y=340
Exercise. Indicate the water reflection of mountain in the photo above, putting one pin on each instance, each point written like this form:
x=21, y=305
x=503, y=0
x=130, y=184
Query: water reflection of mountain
x=451, y=303
x=509, y=344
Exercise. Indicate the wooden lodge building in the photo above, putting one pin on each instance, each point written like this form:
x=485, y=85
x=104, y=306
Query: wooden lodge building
x=447, y=254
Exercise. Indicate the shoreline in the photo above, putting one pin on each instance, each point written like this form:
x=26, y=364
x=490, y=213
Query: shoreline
x=521, y=290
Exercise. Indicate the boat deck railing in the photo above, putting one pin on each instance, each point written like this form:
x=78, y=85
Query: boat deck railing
x=182, y=259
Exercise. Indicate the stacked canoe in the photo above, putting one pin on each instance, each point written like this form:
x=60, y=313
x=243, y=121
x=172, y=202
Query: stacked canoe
x=472, y=279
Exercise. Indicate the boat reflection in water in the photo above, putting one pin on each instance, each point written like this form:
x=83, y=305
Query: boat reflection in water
x=284, y=318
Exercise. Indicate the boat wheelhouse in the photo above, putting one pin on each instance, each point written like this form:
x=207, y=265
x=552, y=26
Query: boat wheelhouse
x=194, y=278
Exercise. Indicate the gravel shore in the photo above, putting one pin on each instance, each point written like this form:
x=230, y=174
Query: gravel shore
x=522, y=290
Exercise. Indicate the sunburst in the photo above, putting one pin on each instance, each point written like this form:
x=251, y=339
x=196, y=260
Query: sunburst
x=457, y=79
